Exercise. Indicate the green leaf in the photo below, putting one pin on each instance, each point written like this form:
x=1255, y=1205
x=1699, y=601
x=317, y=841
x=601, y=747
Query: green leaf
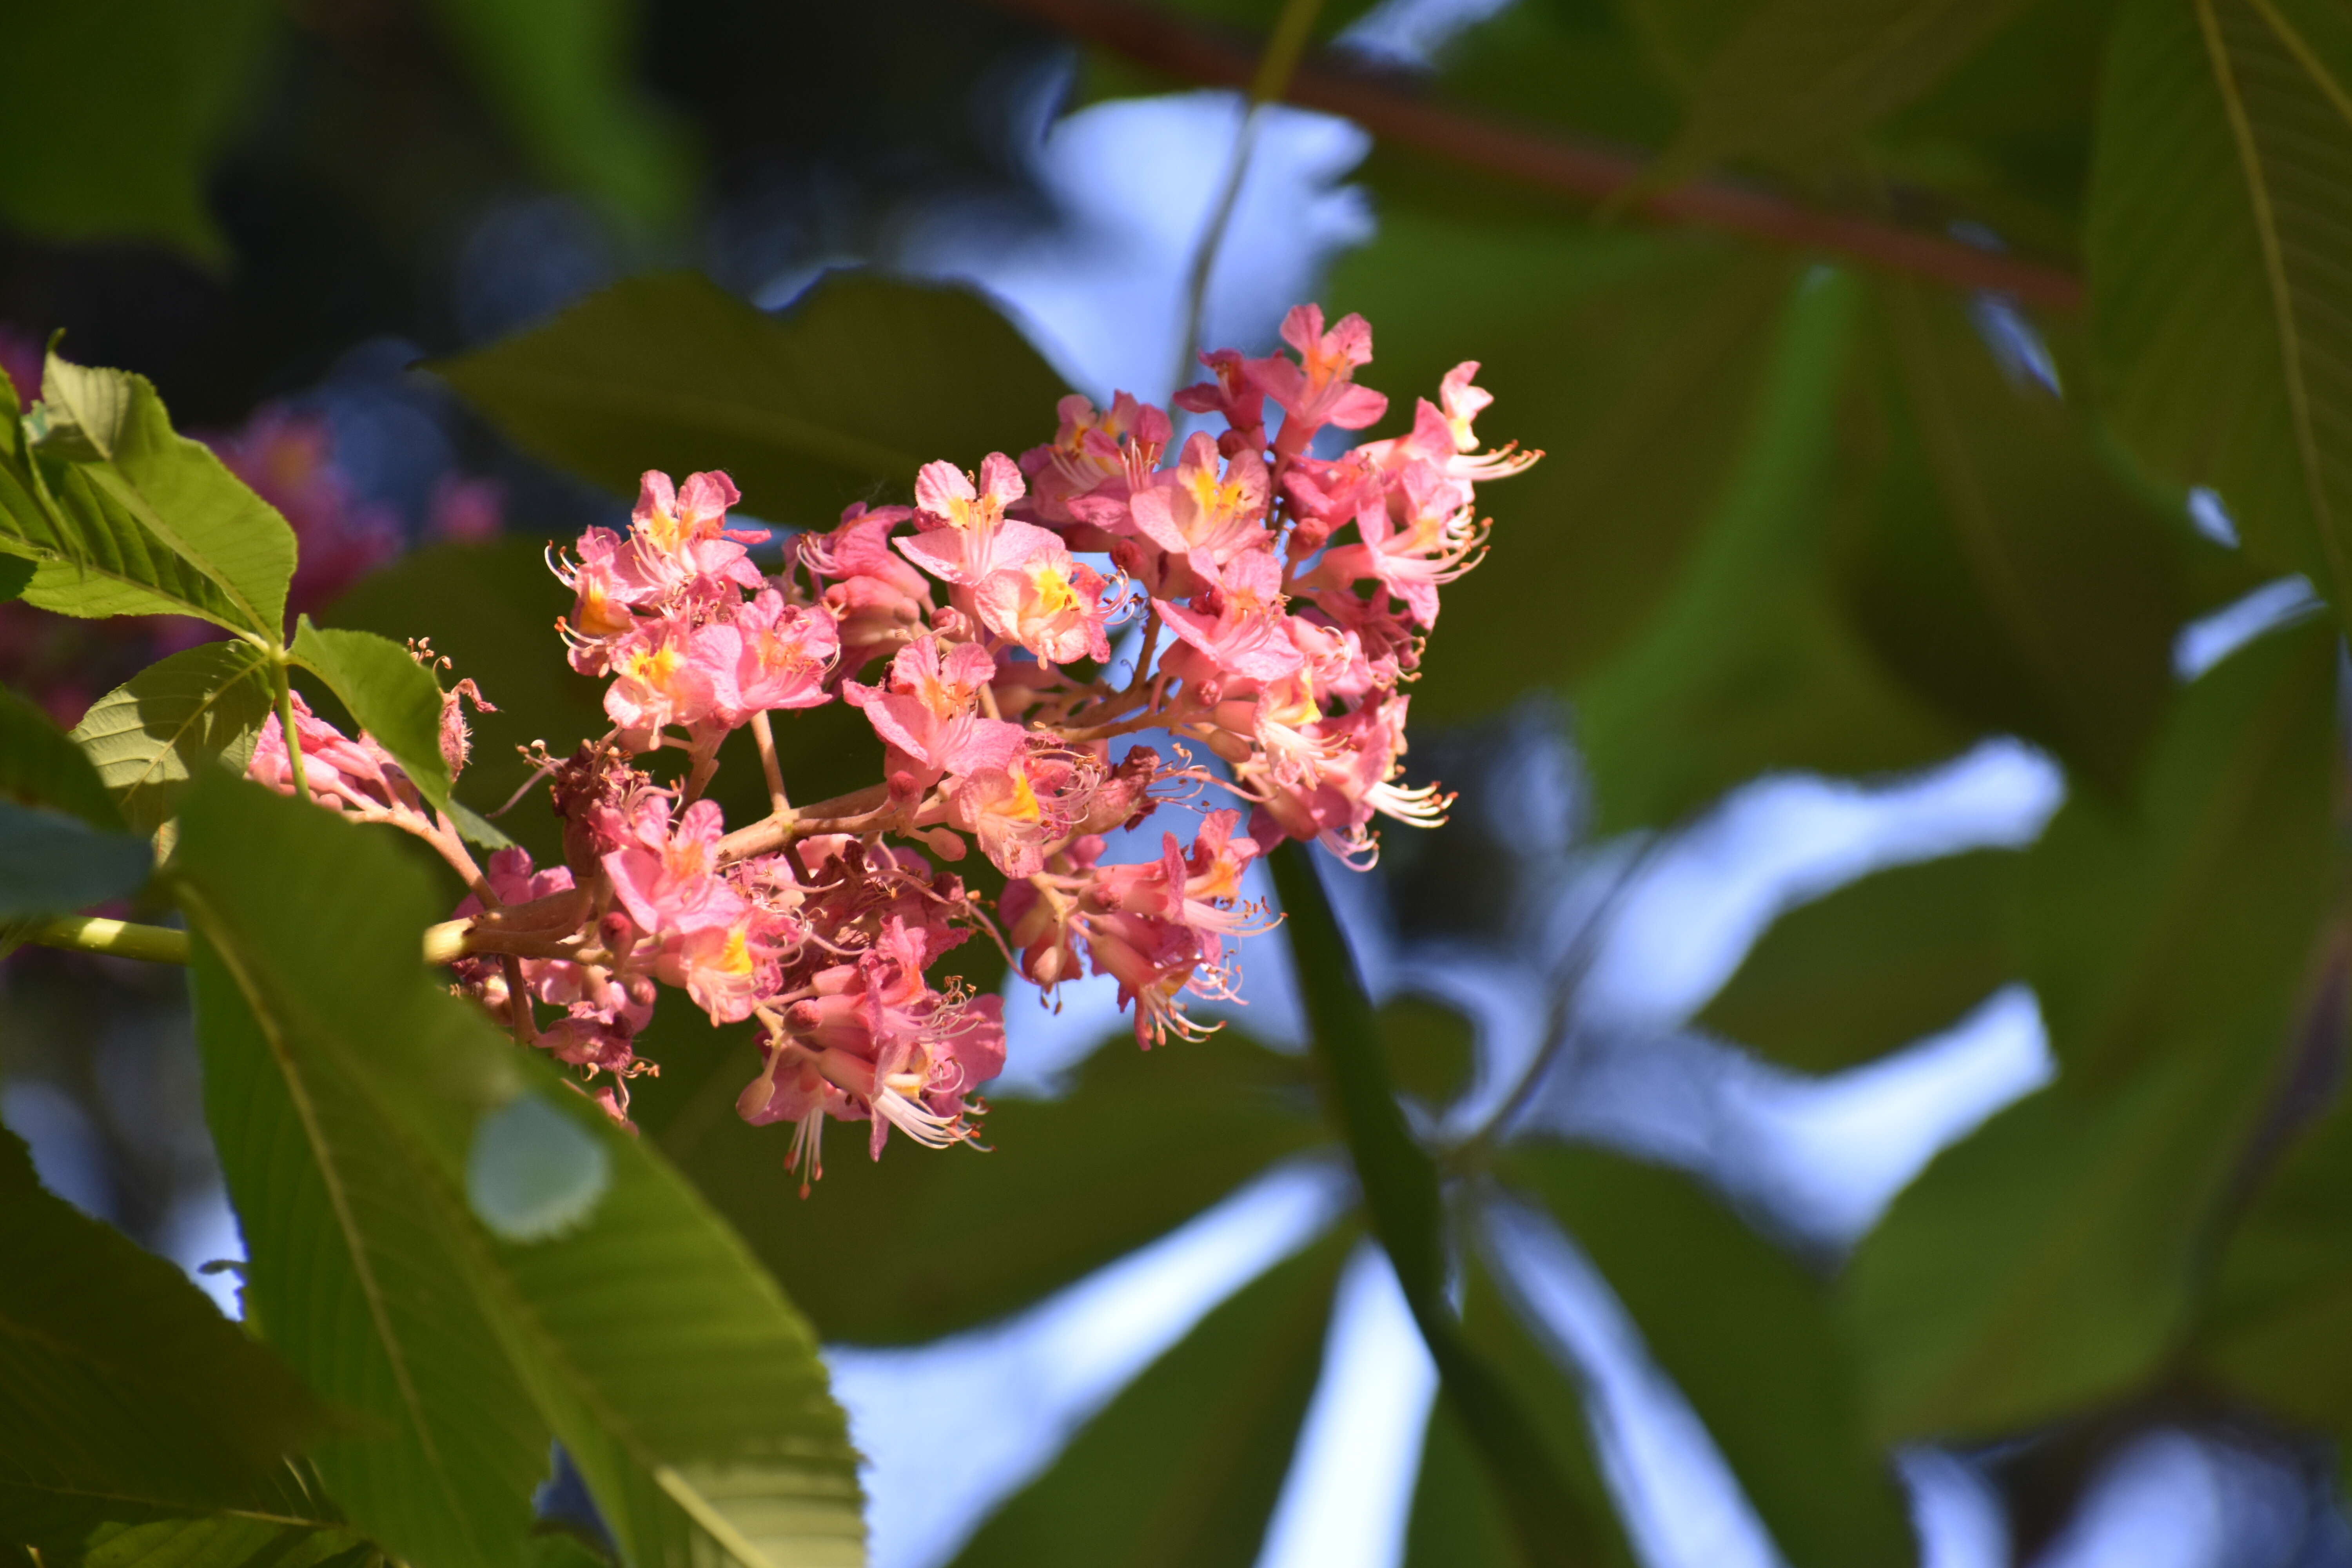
x=54, y=864
x=123, y=1392
x=2004, y=570
x=2218, y=211
x=15, y=573
x=1800, y=78
x=40, y=766
x=1748, y=1335
x=2050, y=1259
x=391, y=696
x=916, y=1245
x=1457, y=1521
x=561, y=75
x=122, y=516
x=1875, y=964
x=353, y=1097
x=864, y=380
x=1402, y=1196
x=2273, y=1330
x=220, y=1541
x=1752, y=666
x=2191, y=917
x=1632, y=361
x=126, y=104
x=1185, y=1466
x=182, y=714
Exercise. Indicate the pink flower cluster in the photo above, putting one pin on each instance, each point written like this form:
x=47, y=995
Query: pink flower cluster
x=1271, y=606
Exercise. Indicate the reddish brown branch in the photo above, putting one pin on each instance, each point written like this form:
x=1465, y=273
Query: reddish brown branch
x=1382, y=104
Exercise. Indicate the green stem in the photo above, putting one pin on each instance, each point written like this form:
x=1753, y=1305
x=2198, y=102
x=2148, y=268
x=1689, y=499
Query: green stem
x=286, y=730
x=1407, y=1207
x=116, y=939
x=1275, y=68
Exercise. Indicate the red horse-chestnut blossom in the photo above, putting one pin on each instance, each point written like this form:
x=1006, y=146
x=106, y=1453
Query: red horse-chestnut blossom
x=1273, y=605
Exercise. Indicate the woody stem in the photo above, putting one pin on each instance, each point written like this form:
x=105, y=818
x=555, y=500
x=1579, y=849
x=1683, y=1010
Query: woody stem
x=778, y=801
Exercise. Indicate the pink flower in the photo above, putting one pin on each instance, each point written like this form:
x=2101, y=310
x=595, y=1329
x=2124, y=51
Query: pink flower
x=666, y=875
x=877, y=598
x=657, y=681
x=1202, y=511
x=1049, y=603
x=1238, y=622
x=1319, y=389
x=1096, y=460
x=682, y=534
x=1439, y=540
x=926, y=716
x=718, y=966
x=1235, y=396
x=767, y=654
x=1325, y=778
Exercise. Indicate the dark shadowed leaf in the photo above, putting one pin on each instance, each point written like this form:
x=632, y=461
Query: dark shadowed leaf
x=40, y=766
x=2191, y=916
x=2048, y=1259
x=1457, y=1521
x=149, y=736
x=2002, y=567
x=450, y=1242
x=1795, y=78
x=2219, y=214
x=841, y=397
x=219, y=1541
x=15, y=572
x=54, y=864
x=123, y=1392
x=1752, y=665
x=1630, y=361
x=1406, y=1210
x=390, y=695
x=561, y=76
x=914, y=1244
x=1184, y=1469
x=1748, y=1336
x=1874, y=966
x=123, y=106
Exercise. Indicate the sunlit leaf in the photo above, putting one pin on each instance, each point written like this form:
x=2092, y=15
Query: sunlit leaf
x=1749, y=1338
x=1874, y=966
x=124, y=516
x=149, y=736
x=2219, y=217
x=350, y=1093
x=391, y=696
x=857, y=386
x=219, y=1541
x=1185, y=1466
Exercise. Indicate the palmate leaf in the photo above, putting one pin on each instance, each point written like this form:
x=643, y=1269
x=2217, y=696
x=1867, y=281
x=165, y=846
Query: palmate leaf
x=864, y=380
x=1669, y=336
x=1753, y=663
x=2219, y=221
x=122, y=516
x=365, y=1118
x=1752, y=1340
x=149, y=737
x=390, y=695
x=1797, y=78
x=1406, y=1210
x=2000, y=566
x=2048, y=1259
x=913, y=1246
x=1874, y=966
x=1184, y=1469
x=1457, y=1520
x=124, y=1394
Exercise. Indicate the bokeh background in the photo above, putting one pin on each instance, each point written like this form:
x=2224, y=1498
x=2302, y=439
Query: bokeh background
x=393, y=183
